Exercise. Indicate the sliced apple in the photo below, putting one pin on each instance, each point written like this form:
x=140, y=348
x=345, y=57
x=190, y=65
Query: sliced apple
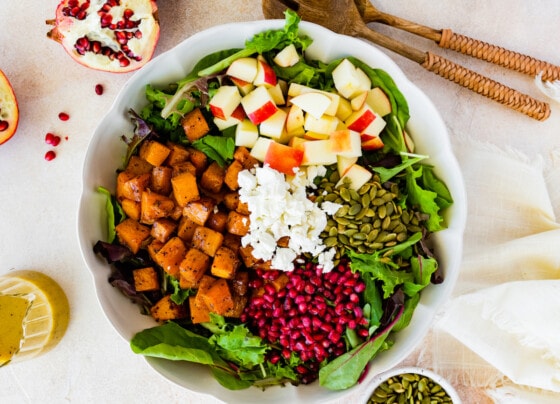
x=230, y=121
x=295, y=120
x=243, y=68
x=313, y=103
x=259, y=105
x=372, y=143
x=408, y=142
x=361, y=119
x=283, y=158
x=265, y=74
x=357, y=175
x=350, y=80
x=296, y=89
x=325, y=124
x=296, y=142
x=346, y=143
x=378, y=101
x=277, y=94
x=310, y=135
x=287, y=57
x=375, y=128
x=9, y=111
x=260, y=148
x=344, y=109
x=246, y=134
x=225, y=101
x=273, y=127
x=358, y=101
x=344, y=163
x=244, y=87
x=318, y=152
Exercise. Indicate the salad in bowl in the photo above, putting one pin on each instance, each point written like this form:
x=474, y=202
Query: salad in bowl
x=284, y=209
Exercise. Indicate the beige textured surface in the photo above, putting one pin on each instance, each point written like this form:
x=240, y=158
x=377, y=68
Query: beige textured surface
x=39, y=199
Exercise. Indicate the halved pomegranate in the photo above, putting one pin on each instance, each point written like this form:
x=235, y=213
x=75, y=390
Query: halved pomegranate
x=110, y=35
x=9, y=112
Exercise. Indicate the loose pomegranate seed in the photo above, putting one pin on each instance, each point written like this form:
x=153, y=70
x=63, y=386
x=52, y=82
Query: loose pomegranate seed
x=50, y=155
x=63, y=116
x=52, y=139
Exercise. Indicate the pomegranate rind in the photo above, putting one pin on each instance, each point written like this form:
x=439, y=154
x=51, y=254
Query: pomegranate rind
x=9, y=111
x=67, y=30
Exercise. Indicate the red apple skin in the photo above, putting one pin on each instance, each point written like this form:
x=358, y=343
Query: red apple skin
x=374, y=143
x=265, y=75
x=239, y=113
x=283, y=158
x=217, y=112
x=263, y=113
x=363, y=121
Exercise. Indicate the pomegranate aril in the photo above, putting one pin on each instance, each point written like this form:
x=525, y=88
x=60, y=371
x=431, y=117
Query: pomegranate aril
x=63, y=116
x=98, y=89
x=52, y=139
x=50, y=155
x=4, y=125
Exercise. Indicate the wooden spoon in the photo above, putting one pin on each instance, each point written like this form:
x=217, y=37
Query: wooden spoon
x=343, y=17
x=447, y=39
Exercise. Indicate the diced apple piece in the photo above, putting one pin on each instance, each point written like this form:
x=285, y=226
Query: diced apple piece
x=357, y=175
x=297, y=142
x=225, y=101
x=260, y=148
x=283, y=158
x=344, y=163
x=244, y=87
x=313, y=103
x=346, y=143
x=243, y=68
x=379, y=102
x=358, y=101
x=246, y=134
x=325, y=124
x=265, y=74
x=372, y=143
x=361, y=119
x=374, y=128
x=277, y=94
x=350, y=80
x=287, y=57
x=344, y=109
x=310, y=135
x=274, y=126
x=318, y=152
x=296, y=89
x=408, y=142
x=258, y=105
x=223, y=124
x=295, y=120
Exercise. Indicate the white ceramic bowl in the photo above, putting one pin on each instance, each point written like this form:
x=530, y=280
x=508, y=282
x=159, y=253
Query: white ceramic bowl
x=375, y=382
x=106, y=150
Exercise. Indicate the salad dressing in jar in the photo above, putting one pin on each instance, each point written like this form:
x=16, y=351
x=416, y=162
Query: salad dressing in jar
x=34, y=314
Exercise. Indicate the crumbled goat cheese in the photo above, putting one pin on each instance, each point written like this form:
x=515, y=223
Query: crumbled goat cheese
x=279, y=207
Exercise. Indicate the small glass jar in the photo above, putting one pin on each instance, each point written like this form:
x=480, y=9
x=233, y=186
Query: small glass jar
x=34, y=315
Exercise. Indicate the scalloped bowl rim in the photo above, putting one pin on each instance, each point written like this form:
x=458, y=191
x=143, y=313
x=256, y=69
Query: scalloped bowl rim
x=425, y=125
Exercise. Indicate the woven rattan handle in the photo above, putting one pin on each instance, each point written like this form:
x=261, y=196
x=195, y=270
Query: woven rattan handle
x=489, y=88
x=497, y=55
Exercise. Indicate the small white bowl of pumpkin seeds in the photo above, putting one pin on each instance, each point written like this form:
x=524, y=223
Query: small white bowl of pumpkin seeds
x=410, y=385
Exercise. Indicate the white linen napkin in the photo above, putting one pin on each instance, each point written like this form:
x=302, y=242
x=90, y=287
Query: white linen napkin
x=501, y=329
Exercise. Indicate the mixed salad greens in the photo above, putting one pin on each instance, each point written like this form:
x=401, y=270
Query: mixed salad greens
x=237, y=356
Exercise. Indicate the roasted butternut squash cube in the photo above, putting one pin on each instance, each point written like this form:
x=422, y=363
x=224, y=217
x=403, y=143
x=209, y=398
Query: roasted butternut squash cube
x=199, y=160
x=200, y=210
x=153, y=248
x=238, y=224
x=218, y=297
x=137, y=166
x=177, y=154
x=195, y=125
x=203, y=285
x=217, y=220
x=160, y=181
x=199, y=311
x=207, y=240
x=132, y=234
x=185, y=188
x=243, y=155
x=212, y=178
x=232, y=172
x=192, y=268
x=240, y=283
x=131, y=186
x=145, y=279
x=239, y=303
x=169, y=256
x=186, y=229
x=243, y=208
x=131, y=208
x=225, y=263
x=232, y=242
x=166, y=309
x=154, y=206
x=162, y=229
x=183, y=167
x=153, y=152
x=231, y=200
x=246, y=254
